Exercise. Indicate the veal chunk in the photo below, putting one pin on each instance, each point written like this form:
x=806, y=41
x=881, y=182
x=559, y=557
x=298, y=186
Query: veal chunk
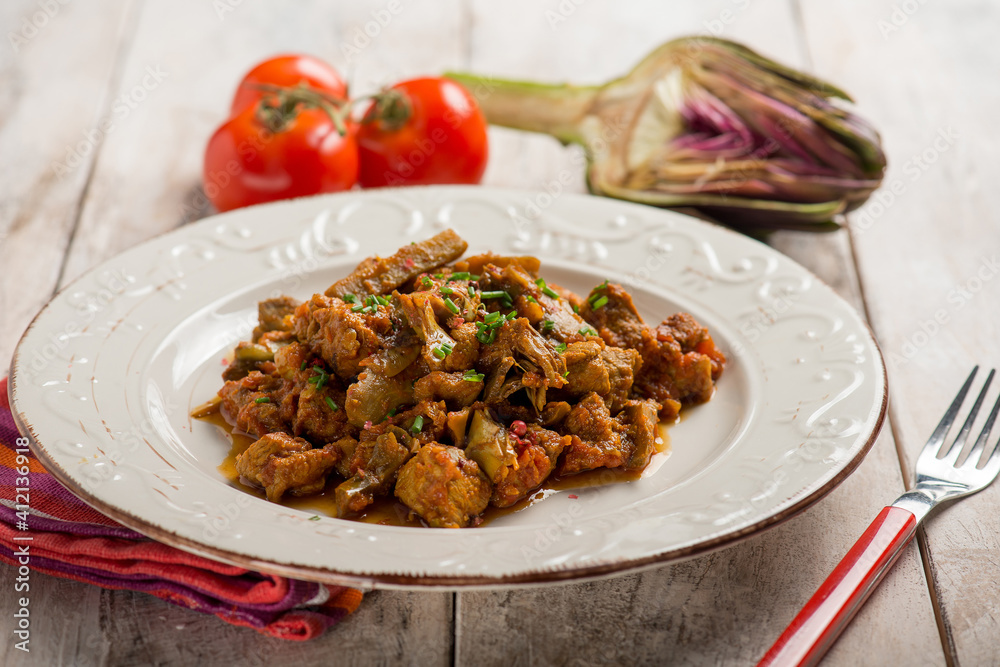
x=616, y=321
x=279, y=463
x=341, y=337
x=381, y=275
x=274, y=412
x=538, y=449
x=444, y=487
x=680, y=364
x=596, y=440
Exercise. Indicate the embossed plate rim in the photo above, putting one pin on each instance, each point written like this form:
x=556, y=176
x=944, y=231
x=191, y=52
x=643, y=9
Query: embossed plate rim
x=26, y=414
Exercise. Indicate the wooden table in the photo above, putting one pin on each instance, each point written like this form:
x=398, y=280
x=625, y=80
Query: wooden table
x=162, y=72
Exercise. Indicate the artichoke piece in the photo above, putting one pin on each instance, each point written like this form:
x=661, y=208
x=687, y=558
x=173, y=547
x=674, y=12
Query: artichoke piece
x=707, y=123
x=489, y=444
x=443, y=486
x=376, y=477
x=378, y=275
x=253, y=352
x=374, y=395
x=419, y=313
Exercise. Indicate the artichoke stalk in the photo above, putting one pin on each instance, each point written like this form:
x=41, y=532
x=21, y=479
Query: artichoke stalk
x=707, y=124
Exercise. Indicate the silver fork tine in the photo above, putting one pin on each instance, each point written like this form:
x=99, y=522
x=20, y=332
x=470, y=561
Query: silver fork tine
x=976, y=452
x=937, y=438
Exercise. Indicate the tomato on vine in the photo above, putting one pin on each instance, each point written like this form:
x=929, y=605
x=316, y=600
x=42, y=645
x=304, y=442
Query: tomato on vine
x=422, y=131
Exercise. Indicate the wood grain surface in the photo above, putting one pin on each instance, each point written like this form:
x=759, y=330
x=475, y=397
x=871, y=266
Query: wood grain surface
x=917, y=255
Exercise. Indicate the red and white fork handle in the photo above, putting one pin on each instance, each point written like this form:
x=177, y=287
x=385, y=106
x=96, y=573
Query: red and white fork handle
x=840, y=597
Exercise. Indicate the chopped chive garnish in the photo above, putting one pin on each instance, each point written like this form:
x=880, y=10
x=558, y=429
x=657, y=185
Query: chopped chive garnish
x=439, y=276
x=495, y=294
x=331, y=404
x=576, y=309
x=511, y=315
x=531, y=299
x=418, y=424
x=549, y=292
x=350, y=298
x=491, y=317
x=447, y=348
x=263, y=399
x=587, y=331
x=314, y=518
x=439, y=353
x=472, y=376
x=560, y=348
x=600, y=303
x=357, y=308
x=303, y=366
x=451, y=305
x=382, y=300
x=447, y=290
x=392, y=413
x=427, y=282
x=472, y=290
x=460, y=275
x=566, y=374
x=547, y=326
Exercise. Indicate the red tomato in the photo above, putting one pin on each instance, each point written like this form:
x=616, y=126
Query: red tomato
x=246, y=163
x=287, y=71
x=442, y=140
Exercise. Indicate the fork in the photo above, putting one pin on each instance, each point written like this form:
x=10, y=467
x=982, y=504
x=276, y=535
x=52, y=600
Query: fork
x=939, y=478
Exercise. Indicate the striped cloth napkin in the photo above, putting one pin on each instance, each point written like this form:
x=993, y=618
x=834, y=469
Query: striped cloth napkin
x=69, y=539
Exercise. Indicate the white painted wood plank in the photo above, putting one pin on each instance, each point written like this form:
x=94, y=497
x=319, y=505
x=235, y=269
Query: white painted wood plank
x=728, y=607
x=926, y=74
x=55, y=68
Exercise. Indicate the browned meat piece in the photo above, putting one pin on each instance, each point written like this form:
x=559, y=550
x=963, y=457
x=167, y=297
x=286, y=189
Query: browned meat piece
x=639, y=419
x=455, y=389
x=320, y=416
x=616, y=320
x=466, y=350
x=622, y=365
x=374, y=466
x=587, y=370
x=597, y=438
x=477, y=263
x=288, y=360
x=374, y=396
x=259, y=404
x=342, y=338
x=280, y=463
x=275, y=315
x=378, y=275
x=538, y=450
x=432, y=423
x=678, y=370
x=444, y=487
x=554, y=413
x=257, y=356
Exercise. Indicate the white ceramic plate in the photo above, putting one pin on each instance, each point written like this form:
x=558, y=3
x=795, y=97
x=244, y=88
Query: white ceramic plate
x=106, y=375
